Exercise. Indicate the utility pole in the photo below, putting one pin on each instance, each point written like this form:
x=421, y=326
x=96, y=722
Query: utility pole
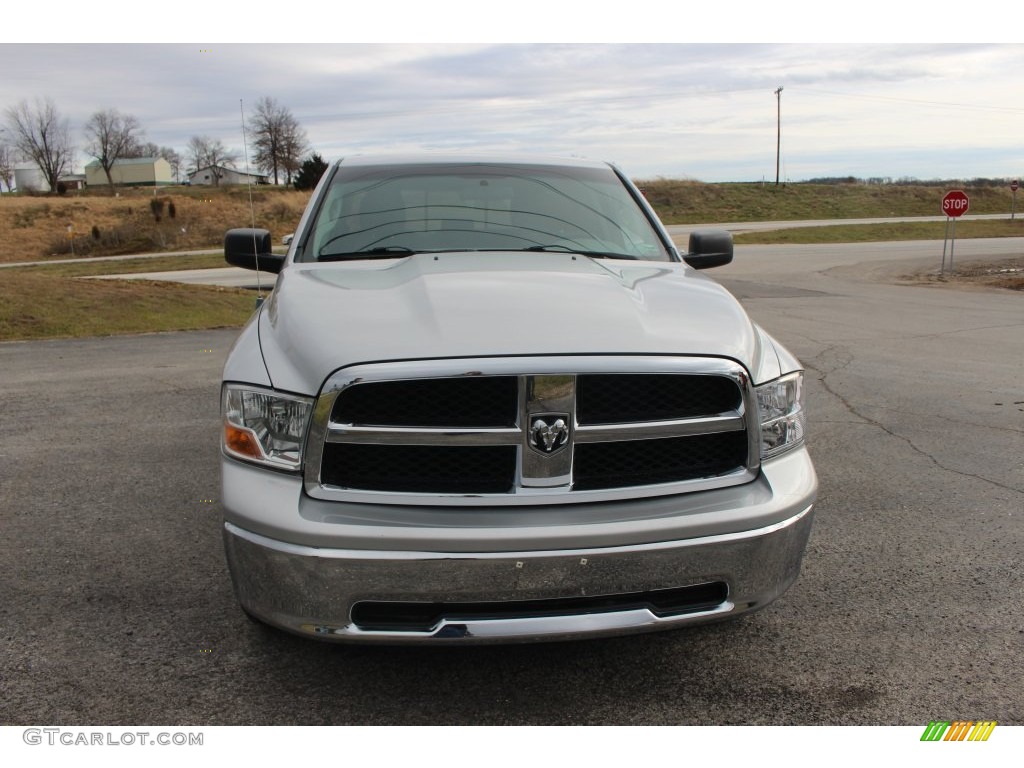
x=778, y=132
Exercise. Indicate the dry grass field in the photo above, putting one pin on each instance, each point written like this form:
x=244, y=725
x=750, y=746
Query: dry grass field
x=137, y=221
x=189, y=218
x=690, y=202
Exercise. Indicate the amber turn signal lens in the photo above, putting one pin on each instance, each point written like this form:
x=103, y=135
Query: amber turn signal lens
x=241, y=441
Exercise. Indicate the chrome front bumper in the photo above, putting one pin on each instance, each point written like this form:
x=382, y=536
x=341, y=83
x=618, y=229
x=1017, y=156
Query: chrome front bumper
x=312, y=591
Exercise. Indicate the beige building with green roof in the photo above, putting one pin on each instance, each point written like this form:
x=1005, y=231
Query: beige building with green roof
x=131, y=172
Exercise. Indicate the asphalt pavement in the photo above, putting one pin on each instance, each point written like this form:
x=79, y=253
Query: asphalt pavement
x=116, y=607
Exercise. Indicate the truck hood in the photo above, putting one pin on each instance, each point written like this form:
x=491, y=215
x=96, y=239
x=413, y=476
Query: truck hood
x=322, y=317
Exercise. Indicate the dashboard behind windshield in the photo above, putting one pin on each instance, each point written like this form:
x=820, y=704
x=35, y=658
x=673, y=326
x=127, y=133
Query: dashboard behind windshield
x=389, y=210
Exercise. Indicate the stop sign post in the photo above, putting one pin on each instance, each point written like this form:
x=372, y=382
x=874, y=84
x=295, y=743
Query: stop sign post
x=1014, y=186
x=954, y=204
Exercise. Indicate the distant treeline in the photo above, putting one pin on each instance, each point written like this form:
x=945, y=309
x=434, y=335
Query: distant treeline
x=909, y=181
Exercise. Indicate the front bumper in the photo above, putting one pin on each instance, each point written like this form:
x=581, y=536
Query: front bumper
x=749, y=541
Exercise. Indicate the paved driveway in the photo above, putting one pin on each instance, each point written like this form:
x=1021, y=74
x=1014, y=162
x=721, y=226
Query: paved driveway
x=116, y=608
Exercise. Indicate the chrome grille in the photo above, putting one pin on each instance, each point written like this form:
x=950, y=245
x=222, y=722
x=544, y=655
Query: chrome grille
x=531, y=430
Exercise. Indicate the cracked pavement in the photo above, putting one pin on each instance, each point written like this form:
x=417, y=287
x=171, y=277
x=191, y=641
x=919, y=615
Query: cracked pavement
x=116, y=607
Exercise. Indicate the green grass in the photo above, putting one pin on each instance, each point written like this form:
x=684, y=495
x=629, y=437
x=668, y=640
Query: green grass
x=35, y=304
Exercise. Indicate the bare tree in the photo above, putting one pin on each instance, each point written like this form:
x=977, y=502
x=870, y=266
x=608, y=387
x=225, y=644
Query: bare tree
x=278, y=140
x=206, y=152
x=295, y=146
x=112, y=136
x=6, y=167
x=40, y=134
x=197, y=152
x=149, y=149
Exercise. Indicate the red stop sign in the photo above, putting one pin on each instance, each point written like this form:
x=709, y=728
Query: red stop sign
x=1014, y=186
x=955, y=203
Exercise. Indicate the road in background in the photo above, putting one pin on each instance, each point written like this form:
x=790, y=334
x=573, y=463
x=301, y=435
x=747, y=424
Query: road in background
x=117, y=606
x=86, y=259
x=676, y=230
x=679, y=230
x=748, y=256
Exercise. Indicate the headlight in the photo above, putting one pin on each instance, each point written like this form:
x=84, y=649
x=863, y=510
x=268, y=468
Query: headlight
x=264, y=426
x=780, y=405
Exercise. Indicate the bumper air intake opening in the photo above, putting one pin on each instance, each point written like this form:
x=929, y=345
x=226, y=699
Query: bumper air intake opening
x=382, y=616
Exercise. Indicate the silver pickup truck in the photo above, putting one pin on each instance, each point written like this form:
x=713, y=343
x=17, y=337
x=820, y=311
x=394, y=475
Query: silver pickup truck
x=488, y=400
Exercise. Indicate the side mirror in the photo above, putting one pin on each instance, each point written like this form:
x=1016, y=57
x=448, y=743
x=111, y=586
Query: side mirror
x=709, y=248
x=248, y=247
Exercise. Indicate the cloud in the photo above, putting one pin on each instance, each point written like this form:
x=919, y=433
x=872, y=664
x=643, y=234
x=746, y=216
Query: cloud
x=704, y=111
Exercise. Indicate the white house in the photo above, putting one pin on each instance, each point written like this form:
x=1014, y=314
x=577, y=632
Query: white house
x=227, y=176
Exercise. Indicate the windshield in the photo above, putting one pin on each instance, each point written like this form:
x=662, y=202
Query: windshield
x=389, y=211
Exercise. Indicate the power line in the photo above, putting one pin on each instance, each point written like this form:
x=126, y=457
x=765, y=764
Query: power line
x=922, y=102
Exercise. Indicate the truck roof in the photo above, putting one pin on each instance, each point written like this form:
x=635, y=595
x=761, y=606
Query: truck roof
x=489, y=158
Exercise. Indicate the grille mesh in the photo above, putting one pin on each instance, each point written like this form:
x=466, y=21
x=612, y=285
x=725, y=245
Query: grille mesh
x=480, y=401
x=646, y=462
x=626, y=398
x=419, y=469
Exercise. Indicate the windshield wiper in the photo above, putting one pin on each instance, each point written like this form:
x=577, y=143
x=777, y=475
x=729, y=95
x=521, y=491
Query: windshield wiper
x=380, y=252
x=591, y=254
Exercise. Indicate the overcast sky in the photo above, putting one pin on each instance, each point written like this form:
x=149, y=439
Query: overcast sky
x=701, y=111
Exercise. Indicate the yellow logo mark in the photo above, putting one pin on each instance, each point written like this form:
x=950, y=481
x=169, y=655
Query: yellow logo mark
x=982, y=730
